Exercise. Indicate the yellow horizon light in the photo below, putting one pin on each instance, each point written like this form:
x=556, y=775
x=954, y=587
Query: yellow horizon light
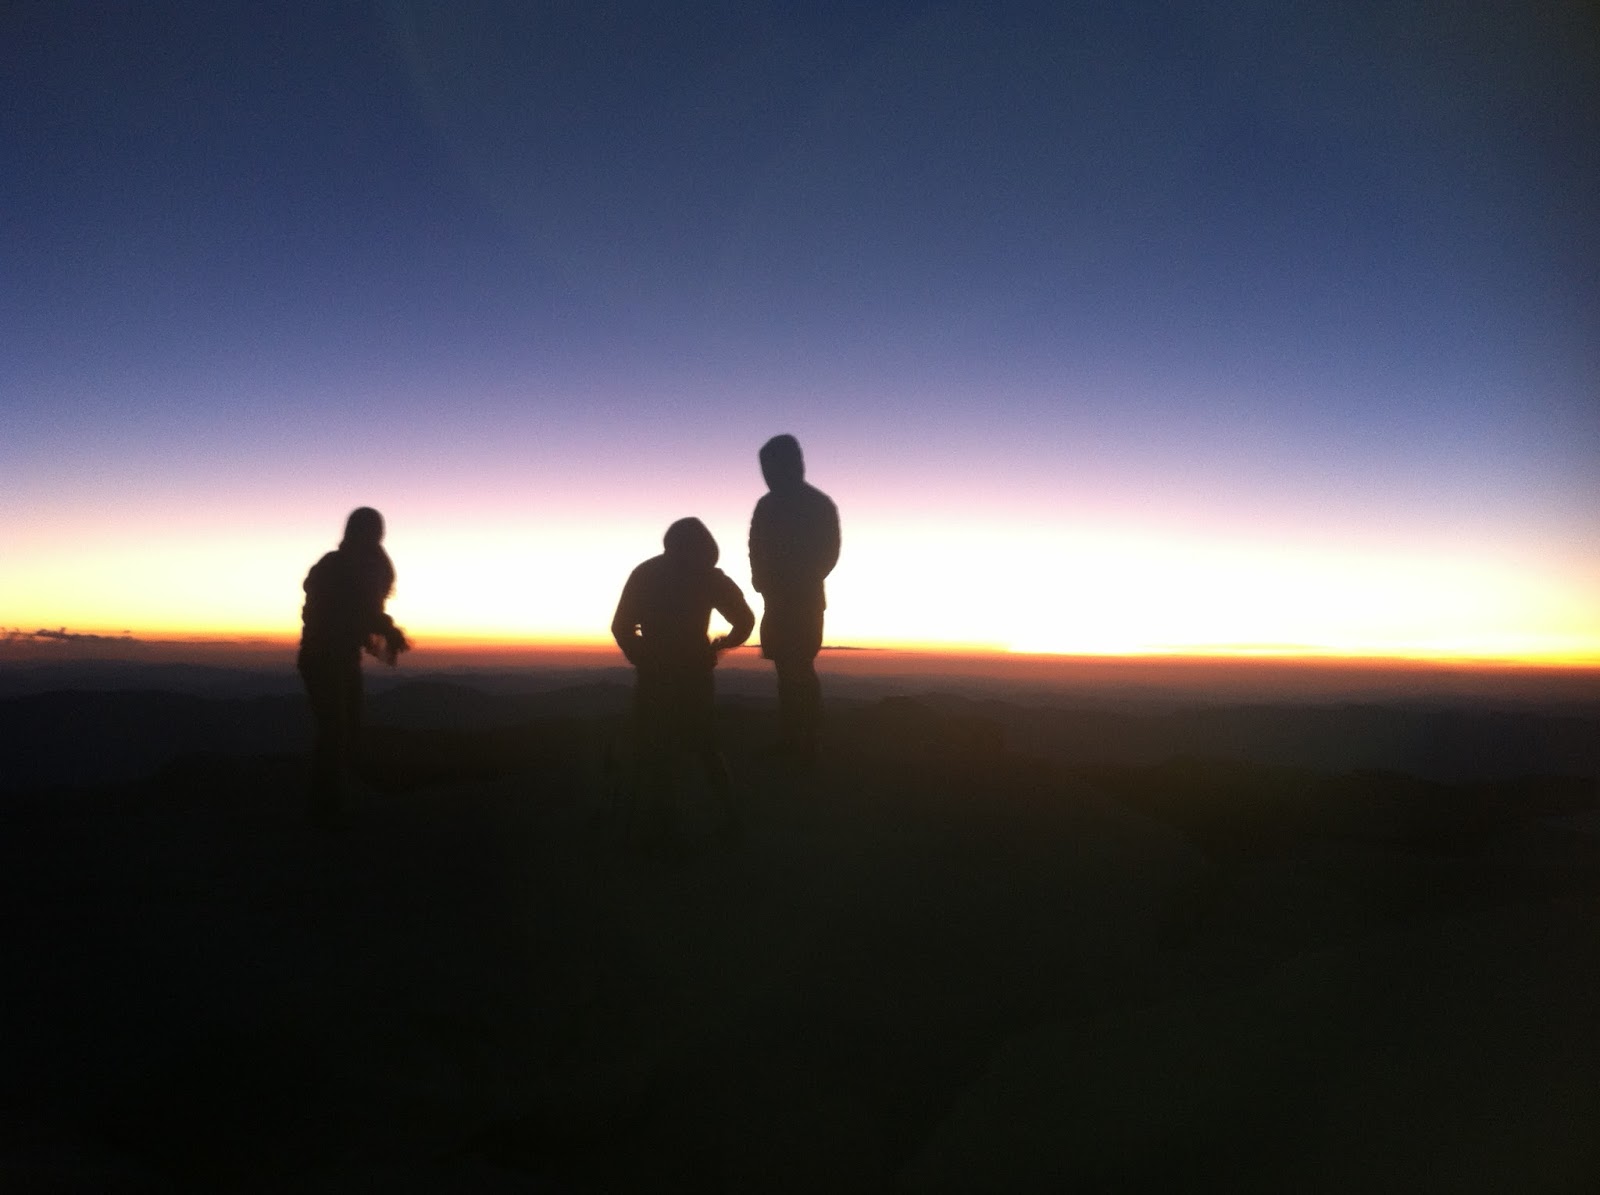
x=1575, y=656
x=971, y=587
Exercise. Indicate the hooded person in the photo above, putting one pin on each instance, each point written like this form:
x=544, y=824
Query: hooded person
x=661, y=624
x=343, y=616
x=794, y=544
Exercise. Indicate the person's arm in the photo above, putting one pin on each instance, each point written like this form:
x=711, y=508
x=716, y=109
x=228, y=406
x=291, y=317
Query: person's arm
x=385, y=641
x=830, y=555
x=625, y=622
x=760, y=547
x=318, y=583
x=394, y=640
x=731, y=605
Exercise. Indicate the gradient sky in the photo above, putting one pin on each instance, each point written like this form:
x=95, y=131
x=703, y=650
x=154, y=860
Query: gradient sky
x=1109, y=327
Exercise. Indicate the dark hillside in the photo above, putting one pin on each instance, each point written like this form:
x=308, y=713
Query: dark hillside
x=945, y=961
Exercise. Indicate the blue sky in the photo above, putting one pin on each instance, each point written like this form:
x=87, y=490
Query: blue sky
x=1309, y=283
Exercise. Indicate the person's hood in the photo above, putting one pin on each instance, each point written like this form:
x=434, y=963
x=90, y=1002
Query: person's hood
x=689, y=545
x=781, y=463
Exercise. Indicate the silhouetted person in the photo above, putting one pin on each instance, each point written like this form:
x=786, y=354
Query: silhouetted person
x=661, y=625
x=343, y=616
x=794, y=544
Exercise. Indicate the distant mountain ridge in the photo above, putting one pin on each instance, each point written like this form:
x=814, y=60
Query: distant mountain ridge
x=79, y=737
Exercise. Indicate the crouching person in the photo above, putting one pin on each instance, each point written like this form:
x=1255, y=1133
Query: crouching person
x=661, y=624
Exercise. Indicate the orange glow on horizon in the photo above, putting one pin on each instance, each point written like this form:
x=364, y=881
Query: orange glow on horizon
x=597, y=650
x=942, y=586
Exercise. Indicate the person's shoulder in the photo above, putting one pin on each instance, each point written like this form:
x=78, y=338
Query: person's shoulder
x=724, y=583
x=818, y=498
x=646, y=569
x=327, y=563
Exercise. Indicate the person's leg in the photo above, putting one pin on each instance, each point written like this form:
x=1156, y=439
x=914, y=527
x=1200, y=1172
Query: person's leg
x=719, y=780
x=351, y=697
x=791, y=637
x=799, y=705
x=695, y=734
x=324, y=691
x=648, y=804
x=713, y=764
x=349, y=735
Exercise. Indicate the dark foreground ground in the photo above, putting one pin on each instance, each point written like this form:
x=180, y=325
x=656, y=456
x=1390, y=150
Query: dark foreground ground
x=981, y=948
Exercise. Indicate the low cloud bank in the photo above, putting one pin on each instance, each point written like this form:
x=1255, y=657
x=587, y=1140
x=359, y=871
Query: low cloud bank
x=61, y=635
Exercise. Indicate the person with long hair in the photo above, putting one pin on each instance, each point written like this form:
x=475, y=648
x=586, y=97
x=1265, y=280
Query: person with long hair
x=343, y=616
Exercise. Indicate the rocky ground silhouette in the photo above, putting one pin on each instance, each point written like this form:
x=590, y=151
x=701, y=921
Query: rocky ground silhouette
x=964, y=954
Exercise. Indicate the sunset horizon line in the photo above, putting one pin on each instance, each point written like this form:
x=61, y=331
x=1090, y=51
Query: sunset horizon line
x=458, y=642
